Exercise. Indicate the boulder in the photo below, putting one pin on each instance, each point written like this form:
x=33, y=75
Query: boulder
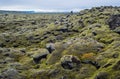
x=11, y=74
x=40, y=54
x=50, y=47
x=70, y=62
x=117, y=30
x=114, y=21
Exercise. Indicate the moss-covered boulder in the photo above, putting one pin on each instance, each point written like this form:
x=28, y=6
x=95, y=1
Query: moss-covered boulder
x=70, y=62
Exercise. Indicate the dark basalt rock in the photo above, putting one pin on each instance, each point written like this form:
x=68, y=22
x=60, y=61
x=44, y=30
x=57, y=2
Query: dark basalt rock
x=117, y=30
x=39, y=57
x=70, y=62
x=94, y=33
x=107, y=65
x=63, y=30
x=81, y=23
x=117, y=66
x=50, y=47
x=114, y=21
x=2, y=45
x=94, y=63
x=116, y=55
x=102, y=75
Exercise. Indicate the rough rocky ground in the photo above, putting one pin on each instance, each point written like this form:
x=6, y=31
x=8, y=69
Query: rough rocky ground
x=85, y=45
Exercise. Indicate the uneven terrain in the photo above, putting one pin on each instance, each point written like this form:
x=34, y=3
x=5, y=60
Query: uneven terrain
x=84, y=45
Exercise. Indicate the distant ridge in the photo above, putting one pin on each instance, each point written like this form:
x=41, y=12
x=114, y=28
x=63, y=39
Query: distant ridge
x=30, y=12
x=15, y=12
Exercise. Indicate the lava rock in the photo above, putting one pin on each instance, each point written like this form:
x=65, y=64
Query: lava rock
x=11, y=74
x=2, y=45
x=40, y=54
x=39, y=57
x=81, y=23
x=117, y=66
x=114, y=21
x=70, y=62
x=102, y=75
x=50, y=47
x=94, y=33
x=94, y=63
x=116, y=55
x=64, y=29
x=117, y=30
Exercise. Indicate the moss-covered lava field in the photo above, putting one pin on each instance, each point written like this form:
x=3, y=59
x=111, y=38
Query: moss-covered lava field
x=84, y=45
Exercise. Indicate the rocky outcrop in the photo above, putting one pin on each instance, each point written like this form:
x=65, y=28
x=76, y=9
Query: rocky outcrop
x=114, y=21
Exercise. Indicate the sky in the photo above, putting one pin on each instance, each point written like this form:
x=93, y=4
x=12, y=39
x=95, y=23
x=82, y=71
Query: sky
x=54, y=5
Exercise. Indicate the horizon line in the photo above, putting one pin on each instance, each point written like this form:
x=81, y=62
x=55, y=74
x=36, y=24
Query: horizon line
x=42, y=10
